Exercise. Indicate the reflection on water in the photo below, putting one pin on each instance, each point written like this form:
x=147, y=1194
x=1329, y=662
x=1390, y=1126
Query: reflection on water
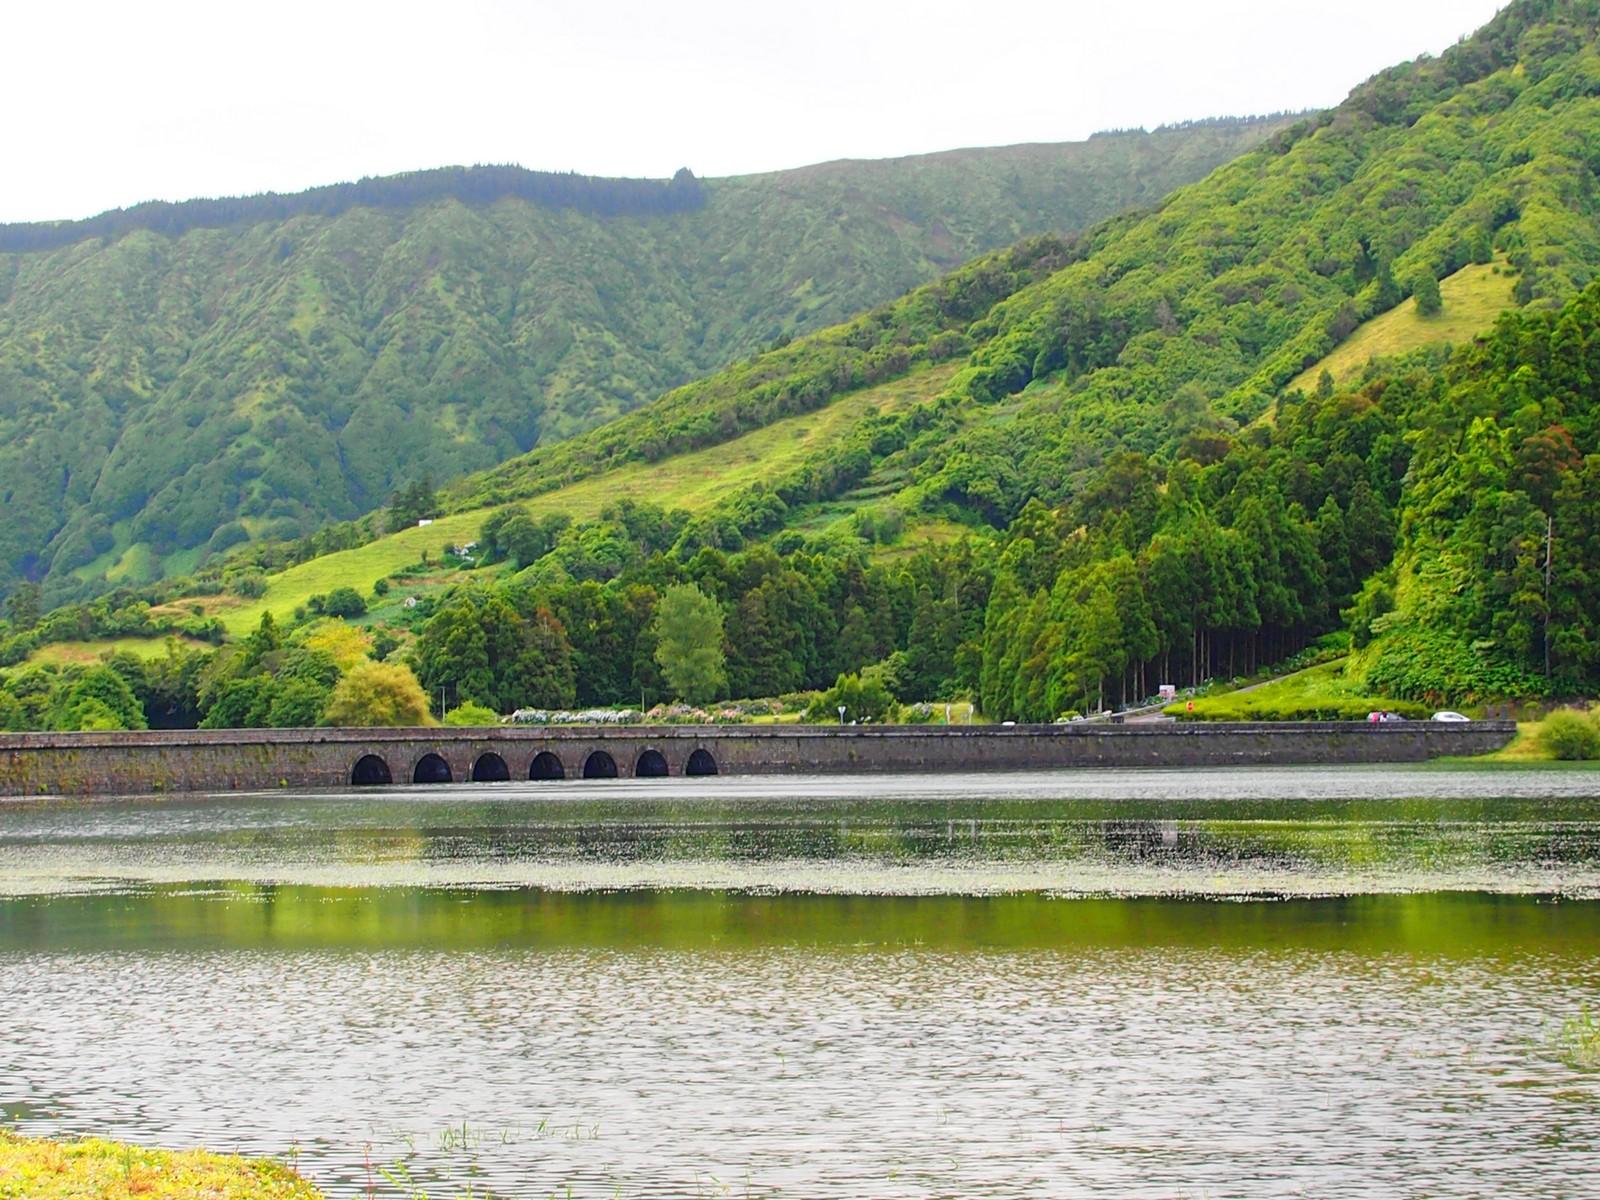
x=830, y=988
x=1307, y=831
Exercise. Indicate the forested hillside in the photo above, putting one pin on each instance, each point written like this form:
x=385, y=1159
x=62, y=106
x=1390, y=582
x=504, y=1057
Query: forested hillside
x=1118, y=422
x=1184, y=324
x=177, y=379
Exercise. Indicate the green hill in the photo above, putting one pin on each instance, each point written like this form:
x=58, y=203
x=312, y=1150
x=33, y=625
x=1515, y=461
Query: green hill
x=1186, y=322
x=693, y=482
x=1089, y=407
x=178, y=379
x=1160, y=333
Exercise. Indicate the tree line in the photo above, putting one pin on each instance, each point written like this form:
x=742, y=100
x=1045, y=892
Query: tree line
x=470, y=185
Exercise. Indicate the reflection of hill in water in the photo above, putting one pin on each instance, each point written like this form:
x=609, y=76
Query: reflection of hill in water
x=1240, y=833
x=363, y=919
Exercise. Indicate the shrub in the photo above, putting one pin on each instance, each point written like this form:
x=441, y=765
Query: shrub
x=252, y=585
x=297, y=703
x=470, y=715
x=378, y=694
x=1570, y=735
x=344, y=602
x=864, y=697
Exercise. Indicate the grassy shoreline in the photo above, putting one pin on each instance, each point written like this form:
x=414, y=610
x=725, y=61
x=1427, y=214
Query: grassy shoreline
x=46, y=1169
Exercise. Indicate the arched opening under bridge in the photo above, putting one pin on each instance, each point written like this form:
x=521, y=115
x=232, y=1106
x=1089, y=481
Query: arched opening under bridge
x=431, y=768
x=652, y=764
x=701, y=763
x=599, y=765
x=370, y=771
x=546, y=766
x=490, y=768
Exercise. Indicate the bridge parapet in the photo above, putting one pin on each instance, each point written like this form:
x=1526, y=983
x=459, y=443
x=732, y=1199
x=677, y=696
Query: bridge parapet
x=221, y=760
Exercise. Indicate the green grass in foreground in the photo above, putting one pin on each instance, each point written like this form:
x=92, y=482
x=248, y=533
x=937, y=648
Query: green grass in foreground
x=39, y=1169
x=1319, y=693
x=693, y=481
x=1473, y=297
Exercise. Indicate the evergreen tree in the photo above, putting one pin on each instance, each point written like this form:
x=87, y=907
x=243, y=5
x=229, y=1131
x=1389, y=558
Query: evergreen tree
x=23, y=605
x=1387, y=292
x=1426, y=290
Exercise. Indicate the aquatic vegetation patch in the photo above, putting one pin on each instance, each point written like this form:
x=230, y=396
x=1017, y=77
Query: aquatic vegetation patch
x=1578, y=1043
x=41, y=1169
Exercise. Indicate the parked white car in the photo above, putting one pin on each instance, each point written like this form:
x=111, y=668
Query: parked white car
x=1450, y=716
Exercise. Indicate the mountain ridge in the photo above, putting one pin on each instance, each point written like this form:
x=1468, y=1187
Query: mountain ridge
x=166, y=397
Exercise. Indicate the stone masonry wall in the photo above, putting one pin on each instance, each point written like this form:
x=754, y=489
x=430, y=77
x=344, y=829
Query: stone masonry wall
x=189, y=761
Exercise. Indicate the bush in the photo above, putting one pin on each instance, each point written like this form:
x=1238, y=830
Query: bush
x=297, y=703
x=1436, y=667
x=1570, y=735
x=252, y=585
x=378, y=694
x=470, y=715
x=344, y=602
x=865, y=698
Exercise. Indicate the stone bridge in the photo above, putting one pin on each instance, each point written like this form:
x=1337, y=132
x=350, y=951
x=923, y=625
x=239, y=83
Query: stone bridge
x=221, y=760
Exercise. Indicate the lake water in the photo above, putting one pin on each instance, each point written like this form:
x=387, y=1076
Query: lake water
x=1286, y=982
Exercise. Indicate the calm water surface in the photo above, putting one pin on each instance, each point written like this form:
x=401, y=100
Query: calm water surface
x=1213, y=983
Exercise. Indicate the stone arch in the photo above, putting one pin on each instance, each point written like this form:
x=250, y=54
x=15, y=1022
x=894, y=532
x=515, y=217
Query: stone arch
x=370, y=771
x=701, y=763
x=490, y=768
x=431, y=768
x=652, y=764
x=599, y=765
x=546, y=766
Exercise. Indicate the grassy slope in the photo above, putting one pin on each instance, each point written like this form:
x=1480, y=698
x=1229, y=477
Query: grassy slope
x=41, y=1169
x=920, y=534
x=63, y=653
x=1473, y=297
x=693, y=481
x=1323, y=685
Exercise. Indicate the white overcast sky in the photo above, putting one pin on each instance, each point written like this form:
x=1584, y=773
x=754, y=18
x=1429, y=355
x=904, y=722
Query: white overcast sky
x=107, y=104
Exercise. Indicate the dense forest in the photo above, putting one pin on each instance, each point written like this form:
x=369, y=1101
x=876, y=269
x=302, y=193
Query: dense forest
x=1443, y=513
x=182, y=379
